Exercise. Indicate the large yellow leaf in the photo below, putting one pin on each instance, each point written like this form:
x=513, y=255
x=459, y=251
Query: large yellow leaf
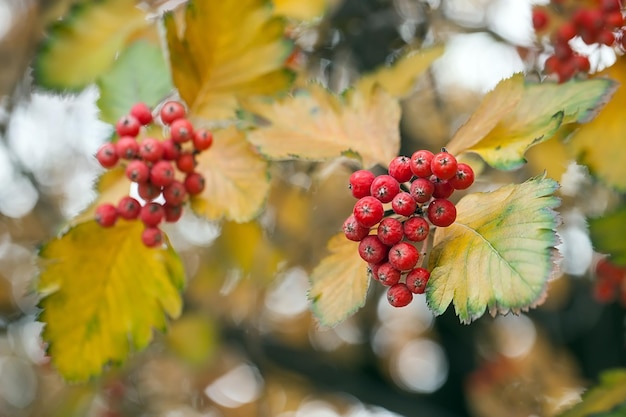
x=317, y=125
x=237, y=179
x=227, y=49
x=339, y=283
x=301, y=10
x=104, y=293
x=498, y=254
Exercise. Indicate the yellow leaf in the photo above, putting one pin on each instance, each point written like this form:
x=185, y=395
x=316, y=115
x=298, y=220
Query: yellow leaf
x=314, y=124
x=112, y=186
x=301, y=10
x=498, y=254
x=104, y=293
x=194, y=338
x=339, y=283
x=227, y=49
x=606, y=399
x=236, y=178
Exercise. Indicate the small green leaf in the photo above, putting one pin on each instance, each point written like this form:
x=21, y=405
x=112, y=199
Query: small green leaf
x=607, y=234
x=139, y=74
x=498, y=254
x=607, y=399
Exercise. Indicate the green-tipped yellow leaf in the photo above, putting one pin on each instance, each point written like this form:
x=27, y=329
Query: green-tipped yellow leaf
x=498, y=254
x=607, y=234
x=607, y=399
x=339, y=283
x=104, y=294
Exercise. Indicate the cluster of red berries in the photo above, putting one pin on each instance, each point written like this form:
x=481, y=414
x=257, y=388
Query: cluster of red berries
x=417, y=190
x=610, y=282
x=161, y=168
x=602, y=24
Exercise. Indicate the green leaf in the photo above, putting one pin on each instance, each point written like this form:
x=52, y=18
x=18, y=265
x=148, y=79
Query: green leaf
x=607, y=234
x=103, y=294
x=498, y=254
x=83, y=46
x=139, y=74
x=339, y=283
x=607, y=399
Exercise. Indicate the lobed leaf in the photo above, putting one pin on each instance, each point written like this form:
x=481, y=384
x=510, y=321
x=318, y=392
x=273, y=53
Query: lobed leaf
x=607, y=399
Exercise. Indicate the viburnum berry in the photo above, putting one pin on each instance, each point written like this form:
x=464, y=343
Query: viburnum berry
x=107, y=155
x=181, y=130
x=162, y=174
x=417, y=279
x=106, y=214
x=127, y=126
x=422, y=190
x=127, y=147
x=540, y=19
x=202, y=139
x=148, y=191
x=354, y=230
x=194, y=183
x=368, y=211
x=441, y=212
x=152, y=214
x=464, y=177
x=142, y=113
x=420, y=163
x=403, y=256
x=404, y=204
x=390, y=231
x=171, y=150
x=128, y=208
x=416, y=229
x=443, y=188
x=385, y=188
x=400, y=168
x=361, y=182
x=175, y=193
x=443, y=165
x=388, y=275
x=151, y=150
x=152, y=237
x=186, y=162
x=399, y=295
x=372, y=250
x=172, y=212
x=138, y=171
x=172, y=110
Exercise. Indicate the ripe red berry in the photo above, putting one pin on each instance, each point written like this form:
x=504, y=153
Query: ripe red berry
x=404, y=204
x=614, y=20
x=564, y=33
x=175, y=193
x=605, y=269
x=127, y=126
x=540, y=19
x=152, y=237
x=464, y=176
x=151, y=150
x=399, y=295
x=138, y=171
x=202, y=139
x=390, y=231
x=360, y=183
x=552, y=65
x=443, y=189
x=420, y=163
x=142, y=113
x=162, y=174
x=128, y=208
x=417, y=279
x=388, y=275
x=171, y=150
x=422, y=190
x=127, y=147
x=106, y=215
x=194, y=183
x=172, y=110
x=443, y=165
x=181, y=130
x=354, y=230
x=372, y=270
x=368, y=211
x=385, y=188
x=372, y=250
x=172, y=212
x=148, y=191
x=107, y=155
x=152, y=214
x=403, y=256
x=441, y=212
x=400, y=168
x=416, y=229
x=606, y=37
x=186, y=162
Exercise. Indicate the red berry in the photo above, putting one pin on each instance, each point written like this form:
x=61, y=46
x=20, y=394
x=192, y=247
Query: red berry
x=399, y=295
x=605, y=269
x=175, y=193
x=422, y=190
x=127, y=126
x=202, y=139
x=372, y=250
x=107, y=155
x=142, y=113
x=172, y=110
x=443, y=165
x=151, y=150
x=148, y=191
x=128, y=208
x=106, y=215
x=127, y=147
x=563, y=51
x=360, y=183
x=194, y=183
x=138, y=171
x=162, y=174
x=614, y=20
x=171, y=150
x=368, y=211
x=403, y=256
x=540, y=19
x=566, y=71
x=441, y=212
x=186, y=162
x=606, y=37
x=390, y=231
x=385, y=188
x=417, y=279
x=181, y=130
x=443, y=189
x=552, y=65
x=152, y=214
x=388, y=275
x=404, y=204
x=464, y=177
x=609, y=6
x=172, y=212
x=354, y=230
x=564, y=33
x=400, y=168
x=416, y=229
x=420, y=163
x=372, y=270
x=152, y=237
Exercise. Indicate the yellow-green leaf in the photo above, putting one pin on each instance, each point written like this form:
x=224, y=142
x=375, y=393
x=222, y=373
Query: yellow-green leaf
x=227, y=49
x=339, y=283
x=104, y=293
x=236, y=178
x=518, y=114
x=607, y=234
x=602, y=400
x=84, y=45
x=315, y=124
x=498, y=254
x=301, y=10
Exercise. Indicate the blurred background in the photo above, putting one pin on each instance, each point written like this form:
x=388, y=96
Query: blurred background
x=247, y=344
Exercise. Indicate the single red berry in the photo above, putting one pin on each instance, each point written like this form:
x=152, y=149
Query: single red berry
x=148, y=191
x=403, y=256
x=565, y=32
x=422, y=190
x=464, y=177
x=151, y=150
x=443, y=165
x=606, y=37
x=368, y=211
x=175, y=193
x=186, y=162
x=400, y=168
x=142, y=113
x=614, y=20
x=609, y=6
x=399, y=295
x=372, y=250
x=171, y=150
x=162, y=174
x=152, y=237
x=128, y=208
x=566, y=71
x=441, y=212
x=152, y=214
x=127, y=126
x=107, y=155
x=416, y=229
x=563, y=51
x=552, y=65
x=540, y=19
x=404, y=204
x=202, y=139
x=360, y=183
x=127, y=147
x=137, y=171
x=106, y=215
x=417, y=279
x=388, y=275
x=385, y=188
x=172, y=110
x=420, y=163
x=194, y=183
x=172, y=212
x=372, y=270
x=181, y=130
x=443, y=189
x=390, y=231
x=354, y=230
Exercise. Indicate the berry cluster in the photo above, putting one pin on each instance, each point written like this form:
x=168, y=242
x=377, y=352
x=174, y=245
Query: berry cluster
x=610, y=282
x=601, y=24
x=417, y=191
x=154, y=164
